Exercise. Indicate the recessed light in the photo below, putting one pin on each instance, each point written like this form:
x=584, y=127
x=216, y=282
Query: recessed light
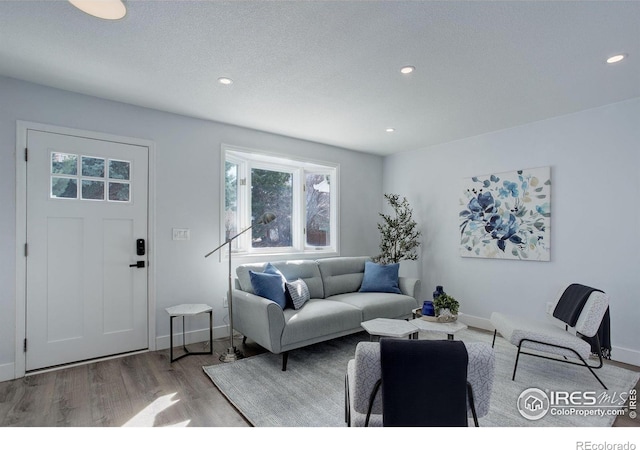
x=225, y=80
x=616, y=58
x=390, y=130
x=407, y=69
x=104, y=9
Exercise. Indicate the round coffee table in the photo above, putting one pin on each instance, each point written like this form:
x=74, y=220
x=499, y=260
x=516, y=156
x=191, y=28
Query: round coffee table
x=439, y=327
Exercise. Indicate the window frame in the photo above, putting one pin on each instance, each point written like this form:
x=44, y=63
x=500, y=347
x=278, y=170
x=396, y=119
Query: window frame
x=247, y=159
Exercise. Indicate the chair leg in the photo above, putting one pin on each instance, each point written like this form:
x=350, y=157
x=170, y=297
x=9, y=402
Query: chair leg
x=472, y=404
x=584, y=363
x=347, y=401
x=494, y=338
x=372, y=398
x=285, y=358
x=515, y=366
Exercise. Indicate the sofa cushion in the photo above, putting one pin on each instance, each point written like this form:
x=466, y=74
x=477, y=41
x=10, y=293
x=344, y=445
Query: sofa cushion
x=269, y=285
x=292, y=270
x=380, y=278
x=342, y=274
x=318, y=318
x=378, y=304
x=298, y=292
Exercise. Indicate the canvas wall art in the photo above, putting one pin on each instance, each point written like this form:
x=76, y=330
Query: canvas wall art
x=507, y=215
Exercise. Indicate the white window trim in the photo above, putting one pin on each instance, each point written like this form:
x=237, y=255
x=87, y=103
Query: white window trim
x=276, y=161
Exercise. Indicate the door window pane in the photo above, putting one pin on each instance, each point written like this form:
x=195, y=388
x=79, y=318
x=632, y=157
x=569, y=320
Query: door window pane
x=64, y=187
x=318, y=202
x=92, y=190
x=119, y=192
x=92, y=167
x=119, y=170
x=64, y=163
x=271, y=191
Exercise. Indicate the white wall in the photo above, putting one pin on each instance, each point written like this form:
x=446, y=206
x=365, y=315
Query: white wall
x=595, y=164
x=187, y=193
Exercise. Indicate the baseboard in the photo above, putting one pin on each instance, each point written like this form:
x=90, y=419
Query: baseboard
x=619, y=354
x=7, y=371
x=163, y=342
x=625, y=355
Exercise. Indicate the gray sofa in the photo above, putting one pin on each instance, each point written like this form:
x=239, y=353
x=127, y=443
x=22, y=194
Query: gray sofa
x=335, y=309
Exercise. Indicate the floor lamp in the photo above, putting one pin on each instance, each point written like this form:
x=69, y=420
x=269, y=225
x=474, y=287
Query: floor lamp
x=232, y=353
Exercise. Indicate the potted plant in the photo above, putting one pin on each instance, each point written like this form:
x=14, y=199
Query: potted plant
x=400, y=236
x=446, y=308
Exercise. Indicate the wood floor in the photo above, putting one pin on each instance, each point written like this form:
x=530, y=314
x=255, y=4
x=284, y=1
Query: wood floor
x=136, y=390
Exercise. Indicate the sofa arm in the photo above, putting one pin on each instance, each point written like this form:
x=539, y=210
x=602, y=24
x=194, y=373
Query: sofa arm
x=258, y=319
x=409, y=286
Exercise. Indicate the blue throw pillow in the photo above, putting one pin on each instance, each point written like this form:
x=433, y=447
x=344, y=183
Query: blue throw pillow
x=270, y=268
x=380, y=278
x=270, y=286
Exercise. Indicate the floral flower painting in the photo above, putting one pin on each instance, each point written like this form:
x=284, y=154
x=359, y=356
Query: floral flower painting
x=507, y=215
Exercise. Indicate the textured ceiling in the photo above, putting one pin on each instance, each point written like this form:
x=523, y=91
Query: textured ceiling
x=328, y=71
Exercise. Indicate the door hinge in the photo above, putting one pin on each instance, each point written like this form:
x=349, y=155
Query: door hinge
x=26, y=154
x=25, y=345
x=26, y=249
x=243, y=181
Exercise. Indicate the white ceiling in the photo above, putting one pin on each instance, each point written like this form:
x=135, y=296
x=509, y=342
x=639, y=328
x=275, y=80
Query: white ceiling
x=328, y=71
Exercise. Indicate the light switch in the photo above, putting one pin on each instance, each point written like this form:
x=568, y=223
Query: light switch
x=181, y=234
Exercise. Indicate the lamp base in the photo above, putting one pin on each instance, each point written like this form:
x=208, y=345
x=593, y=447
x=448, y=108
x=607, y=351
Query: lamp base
x=232, y=354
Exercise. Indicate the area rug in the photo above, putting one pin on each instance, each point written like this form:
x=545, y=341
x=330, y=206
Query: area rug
x=311, y=392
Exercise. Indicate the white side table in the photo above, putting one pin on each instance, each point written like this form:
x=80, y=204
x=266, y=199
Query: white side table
x=189, y=310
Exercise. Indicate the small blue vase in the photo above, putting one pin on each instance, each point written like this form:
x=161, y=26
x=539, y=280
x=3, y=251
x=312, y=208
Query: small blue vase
x=438, y=292
x=427, y=308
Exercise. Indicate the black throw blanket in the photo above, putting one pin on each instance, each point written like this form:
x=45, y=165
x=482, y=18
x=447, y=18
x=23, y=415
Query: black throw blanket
x=569, y=308
x=424, y=383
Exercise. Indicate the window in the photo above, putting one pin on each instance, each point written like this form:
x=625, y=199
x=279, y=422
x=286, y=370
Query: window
x=302, y=195
x=91, y=178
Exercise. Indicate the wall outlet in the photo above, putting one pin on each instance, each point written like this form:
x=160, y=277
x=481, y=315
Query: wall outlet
x=225, y=302
x=181, y=234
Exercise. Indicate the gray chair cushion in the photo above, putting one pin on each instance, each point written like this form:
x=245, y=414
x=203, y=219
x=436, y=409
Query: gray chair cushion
x=364, y=370
x=514, y=329
x=342, y=274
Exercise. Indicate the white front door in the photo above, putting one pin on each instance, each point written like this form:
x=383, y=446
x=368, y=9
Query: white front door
x=87, y=220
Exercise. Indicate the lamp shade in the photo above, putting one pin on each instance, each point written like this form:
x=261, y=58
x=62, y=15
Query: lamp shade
x=104, y=9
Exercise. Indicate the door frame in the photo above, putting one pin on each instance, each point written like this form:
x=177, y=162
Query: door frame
x=22, y=128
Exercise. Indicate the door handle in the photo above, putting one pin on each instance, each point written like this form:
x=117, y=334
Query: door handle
x=138, y=264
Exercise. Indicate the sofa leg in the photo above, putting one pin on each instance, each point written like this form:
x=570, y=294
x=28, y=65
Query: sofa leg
x=285, y=358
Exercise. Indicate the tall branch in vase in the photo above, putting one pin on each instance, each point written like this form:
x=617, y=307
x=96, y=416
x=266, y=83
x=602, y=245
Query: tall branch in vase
x=400, y=237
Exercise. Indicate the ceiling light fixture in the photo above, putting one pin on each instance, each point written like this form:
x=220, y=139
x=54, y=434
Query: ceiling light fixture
x=224, y=80
x=390, y=130
x=407, y=69
x=616, y=58
x=104, y=9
